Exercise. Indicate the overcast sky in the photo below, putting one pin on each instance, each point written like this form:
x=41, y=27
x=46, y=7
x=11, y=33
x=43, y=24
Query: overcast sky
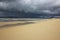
x=46, y=6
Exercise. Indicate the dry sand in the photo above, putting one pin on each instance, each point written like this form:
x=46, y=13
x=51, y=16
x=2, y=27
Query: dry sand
x=42, y=30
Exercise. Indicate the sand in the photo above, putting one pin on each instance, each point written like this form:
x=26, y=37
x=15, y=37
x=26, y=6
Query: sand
x=41, y=30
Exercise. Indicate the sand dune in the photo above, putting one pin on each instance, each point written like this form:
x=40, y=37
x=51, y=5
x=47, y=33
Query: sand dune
x=41, y=30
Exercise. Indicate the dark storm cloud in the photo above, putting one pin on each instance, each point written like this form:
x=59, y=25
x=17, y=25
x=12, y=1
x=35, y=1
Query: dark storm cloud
x=7, y=0
x=46, y=6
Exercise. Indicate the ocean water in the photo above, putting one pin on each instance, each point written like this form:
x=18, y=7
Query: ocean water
x=19, y=19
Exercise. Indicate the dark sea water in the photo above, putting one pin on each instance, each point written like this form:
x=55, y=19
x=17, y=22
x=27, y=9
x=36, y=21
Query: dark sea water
x=19, y=19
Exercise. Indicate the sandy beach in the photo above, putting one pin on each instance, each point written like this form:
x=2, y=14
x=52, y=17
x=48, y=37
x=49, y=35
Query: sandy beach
x=48, y=29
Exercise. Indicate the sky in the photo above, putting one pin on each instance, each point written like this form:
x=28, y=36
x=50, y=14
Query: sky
x=45, y=6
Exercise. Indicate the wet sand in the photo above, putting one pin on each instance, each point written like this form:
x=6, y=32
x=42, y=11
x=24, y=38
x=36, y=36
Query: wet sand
x=41, y=30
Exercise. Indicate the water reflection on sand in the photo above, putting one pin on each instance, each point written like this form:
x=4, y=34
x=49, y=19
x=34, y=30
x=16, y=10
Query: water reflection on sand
x=8, y=22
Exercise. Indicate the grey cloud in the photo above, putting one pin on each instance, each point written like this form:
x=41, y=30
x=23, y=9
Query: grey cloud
x=7, y=0
x=31, y=5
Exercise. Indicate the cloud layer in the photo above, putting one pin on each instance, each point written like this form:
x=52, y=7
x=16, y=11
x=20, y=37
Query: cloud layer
x=46, y=6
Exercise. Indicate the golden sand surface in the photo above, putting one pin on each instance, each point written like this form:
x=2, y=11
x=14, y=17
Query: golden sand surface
x=41, y=30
